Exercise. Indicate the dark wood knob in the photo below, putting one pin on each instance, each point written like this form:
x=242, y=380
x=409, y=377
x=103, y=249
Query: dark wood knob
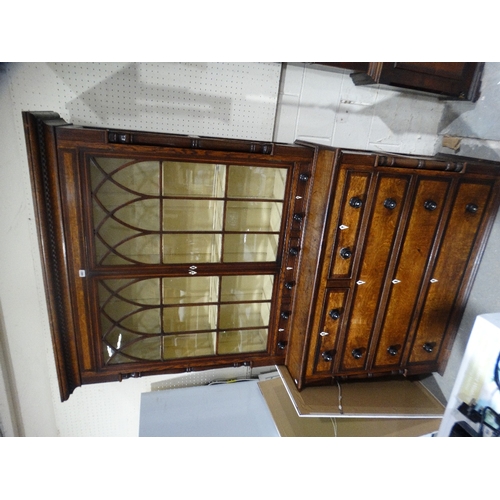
x=285, y=314
x=430, y=205
x=298, y=217
x=327, y=355
x=390, y=203
x=289, y=285
x=282, y=344
x=428, y=346
x=294, y=251
x=357, y=353
x=304, y=177
x=392, y=350
x=355, y=202
x=334, y=314
x=472, y=208
x=345, y=253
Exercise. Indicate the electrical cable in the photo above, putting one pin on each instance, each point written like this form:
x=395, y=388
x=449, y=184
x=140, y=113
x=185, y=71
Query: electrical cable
x=341, y=409
x=231, y=381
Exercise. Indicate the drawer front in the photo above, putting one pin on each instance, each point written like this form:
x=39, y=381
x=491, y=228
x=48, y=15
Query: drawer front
x=405, y=284
x=323, y=353
x=454, y=255
x=347, y=226
x=384, y=222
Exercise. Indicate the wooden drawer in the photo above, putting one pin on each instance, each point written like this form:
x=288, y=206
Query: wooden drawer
x=452, y=267
x=407, y=279
x=387, y=209
x=323, y=352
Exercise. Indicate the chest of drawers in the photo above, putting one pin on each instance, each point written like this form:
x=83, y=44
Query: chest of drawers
x=391, y=247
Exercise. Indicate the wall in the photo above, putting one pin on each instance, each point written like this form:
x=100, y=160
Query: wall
x=475, y=127
x=213, y=99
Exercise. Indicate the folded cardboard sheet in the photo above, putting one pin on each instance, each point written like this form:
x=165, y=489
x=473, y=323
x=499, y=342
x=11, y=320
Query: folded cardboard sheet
x=372, y=408
x=289, y=424
x=369, y=398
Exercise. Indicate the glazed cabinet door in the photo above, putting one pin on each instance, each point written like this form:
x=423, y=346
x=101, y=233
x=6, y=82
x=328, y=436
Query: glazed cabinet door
x=165, y=253
x=179, y=233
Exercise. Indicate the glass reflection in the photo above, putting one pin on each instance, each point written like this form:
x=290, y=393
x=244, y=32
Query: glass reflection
x=232, y=342
x=250, y=247
x=193, y=179
x=256, y=182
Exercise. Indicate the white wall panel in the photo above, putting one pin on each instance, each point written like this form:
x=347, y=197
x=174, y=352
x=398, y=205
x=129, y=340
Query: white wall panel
x=331, y=110
x=354, y=118
x=214, y=99
x=318, y=105
x=235, y=100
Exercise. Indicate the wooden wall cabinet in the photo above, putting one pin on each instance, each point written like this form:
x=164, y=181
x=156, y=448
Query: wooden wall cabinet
x=165, y=253
x=450, y=80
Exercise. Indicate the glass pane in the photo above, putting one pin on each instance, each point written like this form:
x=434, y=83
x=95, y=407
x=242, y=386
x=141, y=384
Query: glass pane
x=243, y=288
x=250, y=247
x=189, y=319
x=133, y=248
x=242, y=341
x=125, y=307
x=137, y=292
x=244, y=315
x=116, y=358
x=105, y=203
x=188, y=345
x=192, y=215
x=253, y=216
x=256, y=182
x=148, y=348
x=117, y=338
x=190, y=290
x=110, y=175
x=119, y=342
x=141, y=215
x=191, y=248
x=123, y=217
x=193, y=179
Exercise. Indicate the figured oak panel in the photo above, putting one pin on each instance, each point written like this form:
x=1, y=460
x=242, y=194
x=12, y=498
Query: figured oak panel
x=389, y=199
x=454, y=254
x=353, y=207
x=423, y=223
x=323, y=350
